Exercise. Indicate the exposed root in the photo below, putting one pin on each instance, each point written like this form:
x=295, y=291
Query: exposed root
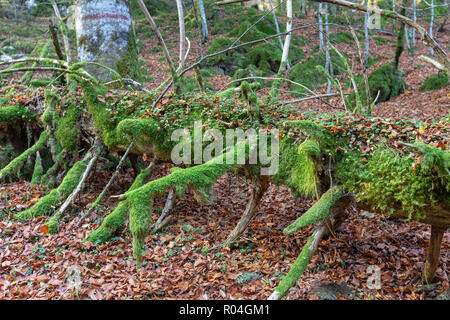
x=300, y=263
x=53, y=222
x=46, y=205
x=105, y=189
x=259, y=187
x=118, y=216
x=165, y=216
x=13, y=168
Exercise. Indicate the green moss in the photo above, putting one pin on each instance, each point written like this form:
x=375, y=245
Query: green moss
x=297, y=269
x=297, y=170
x=68, y=132
x=139, y=201
x=402, y=181
x=38, y=171
x=306, y=74
x=14, y=113
x=13, y=168
x=434, y=82
x=117, y=217
x=319, y=211
x=46, y=205
x=146, y=133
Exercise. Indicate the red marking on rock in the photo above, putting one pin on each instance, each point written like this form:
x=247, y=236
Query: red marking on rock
x=105, y=15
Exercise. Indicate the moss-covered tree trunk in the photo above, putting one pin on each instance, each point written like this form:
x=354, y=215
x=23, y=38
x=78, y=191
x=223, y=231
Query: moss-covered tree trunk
x=105, y=35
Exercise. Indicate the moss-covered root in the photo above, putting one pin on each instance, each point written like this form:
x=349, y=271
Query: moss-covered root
x=53, y=222
x=319, y=211
x=46, y=205
x=300, y=264
x=13, y=168
x=139, y=201
x=117, y=217
x=249, y=97
x=38, y=169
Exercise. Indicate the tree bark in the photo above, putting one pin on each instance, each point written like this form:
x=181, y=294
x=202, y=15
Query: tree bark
x=105, y=36
x=431, y=263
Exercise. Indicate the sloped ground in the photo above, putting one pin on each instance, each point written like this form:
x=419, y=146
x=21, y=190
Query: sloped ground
x=184, y=263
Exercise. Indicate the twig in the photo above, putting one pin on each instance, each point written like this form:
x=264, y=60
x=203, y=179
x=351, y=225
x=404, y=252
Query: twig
x=167, y=208
x=105, y=189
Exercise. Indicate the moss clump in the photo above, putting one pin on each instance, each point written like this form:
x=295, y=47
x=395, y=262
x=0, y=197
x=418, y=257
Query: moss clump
x=38, y=170
x=227, y=62
x=67, y=132
x=297, y=168
x=306, y=74
x=434, y=82
x=267, y=57
x=319, y=211
x=388, y=81
x=250, y=71
x=46, y=205
x=405, y=182
x=14, y=113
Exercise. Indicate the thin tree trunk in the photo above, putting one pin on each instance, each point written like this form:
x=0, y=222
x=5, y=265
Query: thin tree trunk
x=284, y=56
x=278, y=30
x=431, y=26
x=204, y=22
x=366, y=34
x=327, y=48
x=182, y=34
x=320, y=27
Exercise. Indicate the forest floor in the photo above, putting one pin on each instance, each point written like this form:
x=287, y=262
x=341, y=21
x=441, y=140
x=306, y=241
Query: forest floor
x=185, y=261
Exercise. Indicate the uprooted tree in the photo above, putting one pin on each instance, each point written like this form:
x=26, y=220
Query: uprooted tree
x=398, y=168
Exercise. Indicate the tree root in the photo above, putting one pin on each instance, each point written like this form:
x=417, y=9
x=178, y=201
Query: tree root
x=118, y=216
x=105, y=189
x=300, y=264
x=53, y=222
x=259, y=187
x=14, y=167
x=46, y=205
x=165, y=216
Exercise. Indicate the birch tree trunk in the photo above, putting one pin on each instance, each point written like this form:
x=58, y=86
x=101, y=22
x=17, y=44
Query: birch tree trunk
x=278, y=30
x=320, y=27
x=182, y=34
x=327, y=49
x=431, y=25
x=287, y=41
x=366, y=34
x=413, y=31
x=105, y=36
x=204, y=22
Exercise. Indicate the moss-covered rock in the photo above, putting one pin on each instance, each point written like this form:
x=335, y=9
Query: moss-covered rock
x=306, y=74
